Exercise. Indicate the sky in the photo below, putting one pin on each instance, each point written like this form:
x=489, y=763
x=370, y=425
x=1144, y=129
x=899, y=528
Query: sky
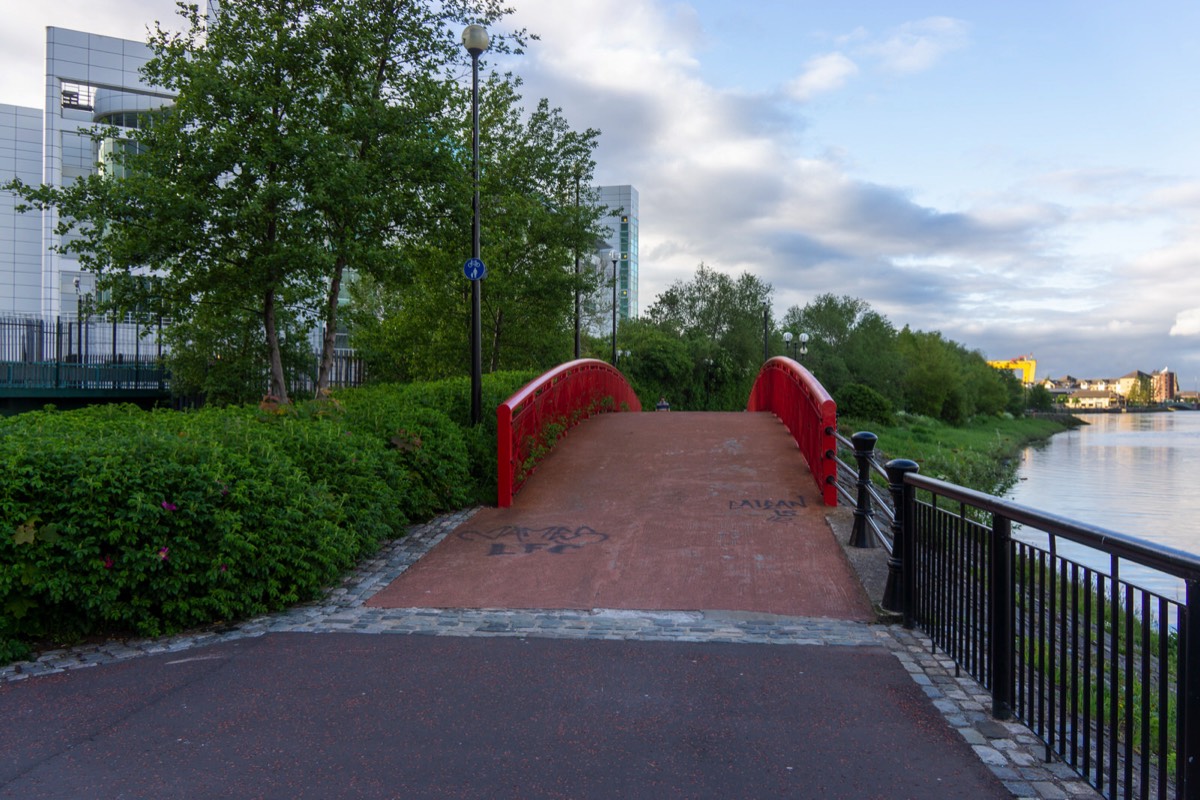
x=1023, y=177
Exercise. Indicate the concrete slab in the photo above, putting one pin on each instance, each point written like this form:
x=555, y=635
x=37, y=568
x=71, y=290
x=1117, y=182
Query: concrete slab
x=656, y=511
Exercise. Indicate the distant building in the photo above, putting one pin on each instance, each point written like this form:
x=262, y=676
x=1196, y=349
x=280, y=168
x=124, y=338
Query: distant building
x=1164, y=385
x=621, y=225
x=91, y=80
x=1093, y=399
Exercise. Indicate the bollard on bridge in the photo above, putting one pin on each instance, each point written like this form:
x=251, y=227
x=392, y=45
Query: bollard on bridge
x=864, y=446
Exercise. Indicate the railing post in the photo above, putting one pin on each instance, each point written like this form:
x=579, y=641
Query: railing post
x=896, y=596
x=864, y=446
x=1189, y=715
x=1000, y=618
x=504, y=456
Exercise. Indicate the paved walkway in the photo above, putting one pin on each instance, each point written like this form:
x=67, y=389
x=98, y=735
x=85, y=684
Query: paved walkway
x=223, y=712
x=681, y=511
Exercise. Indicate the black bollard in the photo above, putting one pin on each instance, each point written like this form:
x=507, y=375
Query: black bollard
x=864, y=446
x=896, y=595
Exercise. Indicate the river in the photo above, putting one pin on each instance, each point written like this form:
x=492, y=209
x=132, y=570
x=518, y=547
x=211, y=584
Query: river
x=1131, y=473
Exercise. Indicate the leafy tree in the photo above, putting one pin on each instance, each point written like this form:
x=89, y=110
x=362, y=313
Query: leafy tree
x=1141, y=393
x=531, y=228
x=1040, y=398
x=720, y=319
x=307, y=138
x=659, y=365
x=849, y=342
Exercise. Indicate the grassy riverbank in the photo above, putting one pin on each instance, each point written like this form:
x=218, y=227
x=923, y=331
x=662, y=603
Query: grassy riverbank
x=981, y=454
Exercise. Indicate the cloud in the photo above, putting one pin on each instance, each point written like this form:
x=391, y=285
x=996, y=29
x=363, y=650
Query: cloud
x=917, y=46
x=821, y=74
x=1187, y=323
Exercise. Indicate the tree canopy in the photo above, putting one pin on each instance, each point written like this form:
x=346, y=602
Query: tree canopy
x=307, y=138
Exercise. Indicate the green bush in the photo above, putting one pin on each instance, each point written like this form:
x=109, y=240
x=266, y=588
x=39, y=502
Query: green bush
x=117, y=520
x=862, y=402
x=425, y=443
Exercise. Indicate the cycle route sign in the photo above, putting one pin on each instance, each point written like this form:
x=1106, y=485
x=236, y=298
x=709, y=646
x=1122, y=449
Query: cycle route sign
x=474, y=269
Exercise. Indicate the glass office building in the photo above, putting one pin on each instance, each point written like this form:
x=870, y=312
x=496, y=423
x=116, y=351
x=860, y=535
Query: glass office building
x=90, y=80
x=622, y=235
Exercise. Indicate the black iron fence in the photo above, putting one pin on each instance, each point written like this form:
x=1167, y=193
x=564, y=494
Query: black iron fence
x=107, y=354
x=1105, y=672
x=81, y=354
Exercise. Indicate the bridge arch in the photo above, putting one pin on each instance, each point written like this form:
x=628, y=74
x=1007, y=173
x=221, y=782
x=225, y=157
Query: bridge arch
x=566, y=395
x=791, y=393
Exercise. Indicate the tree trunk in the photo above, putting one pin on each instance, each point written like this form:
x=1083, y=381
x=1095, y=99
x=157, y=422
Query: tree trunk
x=330, y=338
x=495, y=362
x=278, y=388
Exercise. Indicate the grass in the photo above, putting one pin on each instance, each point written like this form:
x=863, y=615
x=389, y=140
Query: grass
x=980, y=455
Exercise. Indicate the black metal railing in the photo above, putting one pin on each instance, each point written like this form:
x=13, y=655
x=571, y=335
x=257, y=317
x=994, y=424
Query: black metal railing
x=98, y=354
x=110, y=354
x=1105, y=672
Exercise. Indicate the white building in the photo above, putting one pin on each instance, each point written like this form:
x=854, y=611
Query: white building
x=90, y=80
x=619, y=234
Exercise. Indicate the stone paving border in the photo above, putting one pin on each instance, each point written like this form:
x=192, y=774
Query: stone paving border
x=1013, y=753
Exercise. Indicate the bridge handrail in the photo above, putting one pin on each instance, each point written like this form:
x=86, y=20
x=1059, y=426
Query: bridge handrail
x=1069, y=646
x=790, y=392
x=565, y=395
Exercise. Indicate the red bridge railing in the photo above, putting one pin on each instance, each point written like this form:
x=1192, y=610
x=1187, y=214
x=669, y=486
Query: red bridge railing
x=790, y=392
x=532, y=420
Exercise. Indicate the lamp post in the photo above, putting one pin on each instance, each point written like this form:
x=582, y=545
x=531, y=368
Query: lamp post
x=766, y=332
x=801, y=343
x=475, y=39
x=577, y=336
x=612, y=256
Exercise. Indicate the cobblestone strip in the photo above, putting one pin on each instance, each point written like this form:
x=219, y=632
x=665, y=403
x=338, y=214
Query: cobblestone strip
x=1009, y=749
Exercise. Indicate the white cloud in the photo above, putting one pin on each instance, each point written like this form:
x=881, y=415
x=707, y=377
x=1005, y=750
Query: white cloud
x=1187, y=323
x=917, y=46
x=821, y=74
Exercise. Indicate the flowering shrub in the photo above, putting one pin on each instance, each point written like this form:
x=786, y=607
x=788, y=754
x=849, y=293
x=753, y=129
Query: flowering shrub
x=117, y=520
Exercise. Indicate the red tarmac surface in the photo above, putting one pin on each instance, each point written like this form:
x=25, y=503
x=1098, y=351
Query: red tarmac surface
x=655, y=511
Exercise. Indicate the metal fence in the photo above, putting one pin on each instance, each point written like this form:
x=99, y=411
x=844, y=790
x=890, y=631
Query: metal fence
x=108, y=354
x=1105, y=672
x=85, y=355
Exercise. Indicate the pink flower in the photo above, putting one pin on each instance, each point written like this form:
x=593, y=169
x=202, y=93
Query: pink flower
x=108, y=562
x=162, y=553
x=169, y=506
x=223, y=568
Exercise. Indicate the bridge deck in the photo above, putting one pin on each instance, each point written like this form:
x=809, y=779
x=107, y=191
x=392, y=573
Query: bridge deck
x=655, y=511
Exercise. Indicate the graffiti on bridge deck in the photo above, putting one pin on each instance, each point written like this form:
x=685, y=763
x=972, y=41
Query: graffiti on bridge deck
x=512, y=540
x=780, y=510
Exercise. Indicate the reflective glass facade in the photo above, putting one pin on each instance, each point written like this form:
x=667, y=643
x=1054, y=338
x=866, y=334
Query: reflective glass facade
x=622, y=234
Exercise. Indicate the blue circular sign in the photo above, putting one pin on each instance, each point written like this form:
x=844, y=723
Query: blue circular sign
x=474, y=269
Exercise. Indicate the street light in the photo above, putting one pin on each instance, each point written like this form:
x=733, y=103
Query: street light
x=475, y=39
x=612, y=256
x=801, y=343
x=578, y=170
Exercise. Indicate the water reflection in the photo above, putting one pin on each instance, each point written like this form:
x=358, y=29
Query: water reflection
x=1131, y=473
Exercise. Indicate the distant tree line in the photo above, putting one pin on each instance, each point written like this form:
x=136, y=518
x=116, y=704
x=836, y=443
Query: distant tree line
x=700, y=345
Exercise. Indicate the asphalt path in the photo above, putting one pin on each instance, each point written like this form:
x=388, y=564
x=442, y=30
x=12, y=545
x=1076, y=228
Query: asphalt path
x=292, y=715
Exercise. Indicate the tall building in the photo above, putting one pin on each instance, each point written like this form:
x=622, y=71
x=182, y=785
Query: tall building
x=20, y=234
x=91, y=80
x=621, y=224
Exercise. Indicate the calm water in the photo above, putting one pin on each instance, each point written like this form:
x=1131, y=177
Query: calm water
x=1131, y=473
